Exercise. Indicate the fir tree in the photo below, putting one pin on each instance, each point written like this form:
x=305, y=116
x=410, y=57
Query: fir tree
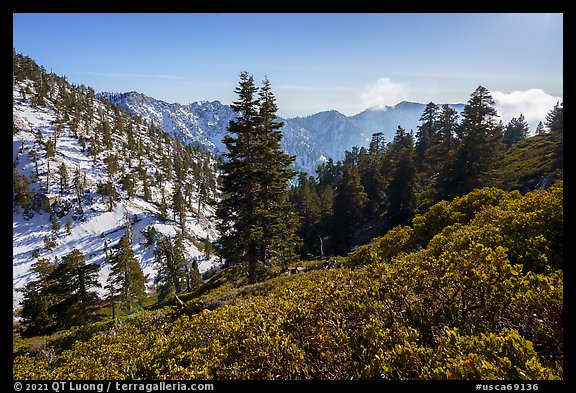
x=349, y=204
x=555, y=123
x=36, y=300
x=78, y=188
x=179, y=207
x=126, y=282
x=441, y=154
x=106, y=135
x=72, y=280
x=307, y=203
x=50, y=152
x=402, y=188
x=108, y=191
x=55, y=224
x=555, y=118
x=34, y=154
x=128, y=185
x=172, y=270
x=147, y=194
x=479, y=137
x=256, y=221
x=63, y=172
x=426, y=133
x=163, y=207
x=21, y=193
x=515, y=131
x=373, y=181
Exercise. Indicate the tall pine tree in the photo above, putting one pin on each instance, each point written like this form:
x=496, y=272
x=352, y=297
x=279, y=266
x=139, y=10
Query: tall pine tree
x=126, y=282
x=516, y=130
x=349, y=205
x=256, y=221
x=479, y=136
x=72, y=281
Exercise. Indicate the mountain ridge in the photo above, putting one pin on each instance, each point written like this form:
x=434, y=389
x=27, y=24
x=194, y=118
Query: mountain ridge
x=313, y=139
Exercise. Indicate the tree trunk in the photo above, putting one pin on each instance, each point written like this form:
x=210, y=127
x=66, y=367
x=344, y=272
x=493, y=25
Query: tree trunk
x=48, y=177
x=252, y=264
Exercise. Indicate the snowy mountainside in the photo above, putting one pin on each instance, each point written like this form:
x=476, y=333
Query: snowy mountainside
x=89, y=222
x=202, y=123
x=205, y=123
x=311, y=139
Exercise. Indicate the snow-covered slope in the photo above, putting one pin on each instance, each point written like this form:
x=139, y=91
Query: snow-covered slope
x=97, y=229
x=312, y=139
x=202, y=123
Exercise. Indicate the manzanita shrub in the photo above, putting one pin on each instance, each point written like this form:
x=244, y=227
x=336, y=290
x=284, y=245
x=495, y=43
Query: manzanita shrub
x=472, y=289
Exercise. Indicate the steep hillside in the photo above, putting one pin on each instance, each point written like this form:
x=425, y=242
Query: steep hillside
x=86, y=173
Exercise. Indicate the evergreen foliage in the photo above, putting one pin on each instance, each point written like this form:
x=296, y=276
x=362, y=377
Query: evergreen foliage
x=406, y=176
x=257, y=225
x=516, y=130
x=126, y=282
x=61, y=296
x=172, y=267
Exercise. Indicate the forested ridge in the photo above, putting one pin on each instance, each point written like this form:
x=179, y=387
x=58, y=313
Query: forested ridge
x=437, y=255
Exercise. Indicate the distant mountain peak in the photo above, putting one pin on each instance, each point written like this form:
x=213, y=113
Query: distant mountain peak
x=312, y=139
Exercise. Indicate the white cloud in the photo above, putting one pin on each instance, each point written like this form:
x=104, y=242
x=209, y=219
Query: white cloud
x=534, y=104
x=383, y=92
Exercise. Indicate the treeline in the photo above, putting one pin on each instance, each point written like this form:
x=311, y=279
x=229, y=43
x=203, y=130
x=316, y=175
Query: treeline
x=377, y=188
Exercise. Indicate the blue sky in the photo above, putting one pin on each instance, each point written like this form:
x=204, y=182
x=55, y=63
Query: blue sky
x=315, y=62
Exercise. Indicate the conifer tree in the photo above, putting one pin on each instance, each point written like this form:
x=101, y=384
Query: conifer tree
x=555, y=118
x=256, y=221
x=50, y=152
x=36, y=300
x=21, y=190
x=373, y=181
x=540, y=129
x=307, y=202
x=279, y=220
x=108, y=191
x=179, y=207
x=515, y=131
x=147, y=194
x=441, y=154
x=555, y=123
x=126, y=282
x=349, y=204
x=163, y=207
x=402, y=188
x=63, y=172
x=426, y=133
x=128, y=185
x=55, y=224
x=172, y=269
x=72, y=280
x=479, y=139
x=34, y=154
x=78, y=188
x=106, y=135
